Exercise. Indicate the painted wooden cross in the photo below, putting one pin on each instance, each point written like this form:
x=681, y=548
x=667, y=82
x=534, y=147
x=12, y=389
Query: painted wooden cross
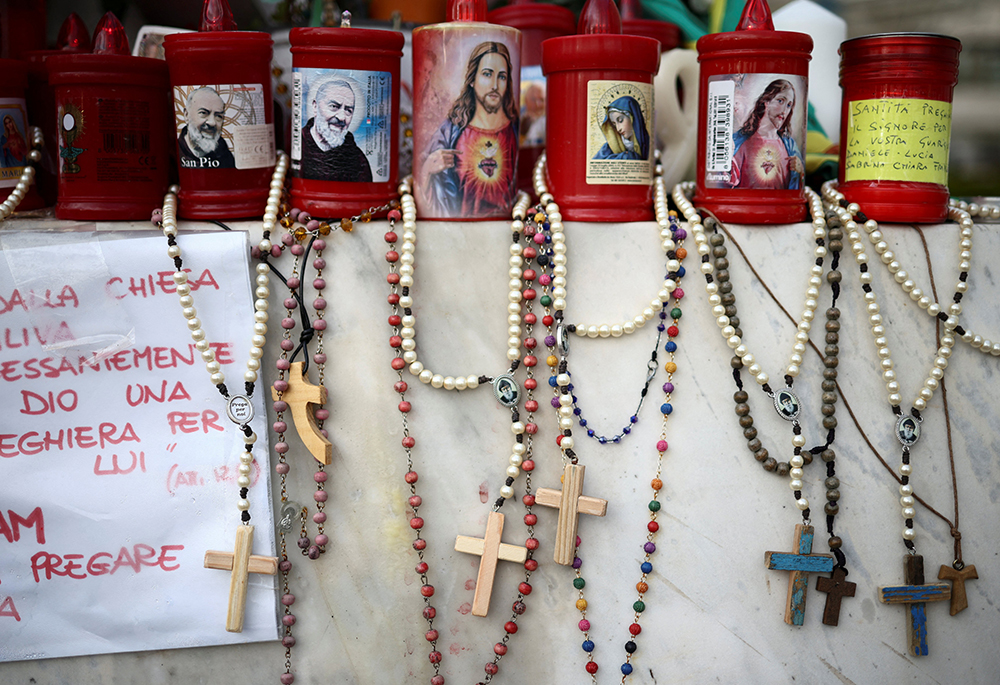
x=836, y=588
x=491, y=550
x=570, y=503
x=959, y=600
x=801, y=562
x=299, y=396
x=915, y=593
x=242, y=563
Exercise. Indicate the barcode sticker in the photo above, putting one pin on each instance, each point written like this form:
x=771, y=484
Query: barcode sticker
x=296, y=116
x=719, y=150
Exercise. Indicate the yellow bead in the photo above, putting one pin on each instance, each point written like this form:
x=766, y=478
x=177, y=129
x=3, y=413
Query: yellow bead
x=324, y=228
x=552, y=361
x=672, y=212
x=657, y=483
x=404, y=118
x=346, y=225
x=581, y=604
x=408, y=133
x=539, y=218
x=641, y=587
x=300, y=233
x=670, y=367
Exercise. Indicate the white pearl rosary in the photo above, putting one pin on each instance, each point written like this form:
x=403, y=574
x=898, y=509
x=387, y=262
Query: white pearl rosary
x=8, y=206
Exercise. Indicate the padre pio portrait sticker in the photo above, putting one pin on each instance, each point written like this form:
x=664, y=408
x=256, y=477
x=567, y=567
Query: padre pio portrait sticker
x=222, y=126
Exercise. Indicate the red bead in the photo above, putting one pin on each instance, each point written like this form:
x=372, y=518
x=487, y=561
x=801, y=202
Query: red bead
x=530, y=253
x=547, y=320
x=392, y=279
x=531, y=405
x=530, y=383
x=530, y=343
x=530, y=319
x=400, y=386
x=427, y=590
x=591, y=667
x=395, y=320
x=391, y=237
x=434, y=658
x=559, y=439
x=398, y=364
x=395, y=341
x=673, y=331
x=438, y=679
x=392, y=256
x=393, y=298
x=652, y=526
x=530, y=565
x=499, y=649
x=394, y=215
x=420, y=544
x=529, y=274
x=518, y=608
x=528, y=500
x=429, y=613
x=529, y=294
x=422, y=567
x=408, y=442
x=530, y=519
x=635, y=629
x=530, y=360
x=510, y=627
x=531, y=543
x=416, y=523
x=416, y=501
x=531, y=428
x=492, y=668
x=404, y=406
x=524, y=588
x=431, y=635
x=411, y=477
x=528, y=465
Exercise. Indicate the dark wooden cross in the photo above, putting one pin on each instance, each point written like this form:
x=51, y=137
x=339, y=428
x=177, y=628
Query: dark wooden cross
x=801, y=562
x=915, y=593
x=959, y=600
x=836, y=588
x=491, y=550
x=301, y=396
x=241, y=563
x=570, y=503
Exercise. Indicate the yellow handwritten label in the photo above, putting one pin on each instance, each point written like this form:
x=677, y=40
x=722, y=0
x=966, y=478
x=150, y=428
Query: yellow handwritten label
x=898, y=140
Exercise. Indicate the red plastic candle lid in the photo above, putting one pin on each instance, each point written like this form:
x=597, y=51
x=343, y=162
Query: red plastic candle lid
x=109, y=37
x=527, y=16
x=73, y=34
x=363, y=41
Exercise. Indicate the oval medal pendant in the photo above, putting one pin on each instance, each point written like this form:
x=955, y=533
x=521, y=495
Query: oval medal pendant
x=562, y=340
x=786, y=403
x=239, y=410
x=907, y=430
x=506, y=390
x=289, y=512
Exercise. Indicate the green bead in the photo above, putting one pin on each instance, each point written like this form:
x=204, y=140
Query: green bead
x=545, y=300
x=675, y=313
x=578, y=583
x=654, y=505
x=639, y=607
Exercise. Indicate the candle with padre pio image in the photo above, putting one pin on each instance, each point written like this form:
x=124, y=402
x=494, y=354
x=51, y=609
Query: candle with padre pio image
x=224, y=126
x=466, y=76
x=752, y=121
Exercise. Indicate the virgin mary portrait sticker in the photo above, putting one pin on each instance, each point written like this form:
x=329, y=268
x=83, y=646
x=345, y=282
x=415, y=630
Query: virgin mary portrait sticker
x=619, y=139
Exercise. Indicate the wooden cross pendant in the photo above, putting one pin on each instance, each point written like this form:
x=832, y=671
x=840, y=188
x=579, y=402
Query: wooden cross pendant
x=301, y=394
x=491, y=550
x=836, y=588
x=959, y=600
x=242, y=563
x=570, y=503
x=915, y=593
x=801, y=562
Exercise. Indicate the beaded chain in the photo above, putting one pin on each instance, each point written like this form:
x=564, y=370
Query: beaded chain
x=8, y=206
x=907, y=427
x=400, y=279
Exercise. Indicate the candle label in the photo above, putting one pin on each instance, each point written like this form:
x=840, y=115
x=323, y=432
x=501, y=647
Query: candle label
x=898, y=140
x=341, y=124
x=532, y=106
x=14, y=141
x=223, y=126
x=756, y=131
x=619, y=121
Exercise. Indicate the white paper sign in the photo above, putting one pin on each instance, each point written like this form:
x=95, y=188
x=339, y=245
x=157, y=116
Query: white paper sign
x=118, y=464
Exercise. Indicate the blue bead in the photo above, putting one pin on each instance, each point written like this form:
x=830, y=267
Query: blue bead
x=627, y=429
x=661, y=327
x=546, y=226
x=571, y=391
x=588, y=646
x=681, y=271
x=663, y=314
x=552, y=381
x=590, y=432
x=666, y=408
x=634, y=419
x=617, y=439
x=577, y=411
x=626, y=669
x=602, y=440
x=583, y=422
x=671, y=346
x=646, y=567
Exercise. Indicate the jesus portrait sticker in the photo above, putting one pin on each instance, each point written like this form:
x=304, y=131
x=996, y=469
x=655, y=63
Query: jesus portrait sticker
x=756, y=131
x=223, y=127
x=619, y=136
x=341, y=124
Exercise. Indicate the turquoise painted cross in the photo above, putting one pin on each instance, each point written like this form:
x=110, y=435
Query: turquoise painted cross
x=915, y=593
x=801, y=562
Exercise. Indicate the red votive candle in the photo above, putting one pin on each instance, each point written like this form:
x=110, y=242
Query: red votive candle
x=113, y=116
x=633, y=24
x=224, y=119
x=345, y=114
x=752, y=111
x=896, y=124
x=466, y=74
x=599, y=118
x=15, y=140
x=537, y=22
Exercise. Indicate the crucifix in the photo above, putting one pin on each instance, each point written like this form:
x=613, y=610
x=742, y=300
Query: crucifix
x=570, y=503
x=836, y=588
x=958, y=576
x=491, y=550
x=801, y=562
x=242, y=563
x=300, y=396
x=915, y=593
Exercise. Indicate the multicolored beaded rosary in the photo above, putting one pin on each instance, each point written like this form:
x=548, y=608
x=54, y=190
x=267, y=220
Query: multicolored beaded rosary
x=403, y=342
x=8, y=206
x=241, y=562
x=907, y=428
x=800, y=562
x=569, y=499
